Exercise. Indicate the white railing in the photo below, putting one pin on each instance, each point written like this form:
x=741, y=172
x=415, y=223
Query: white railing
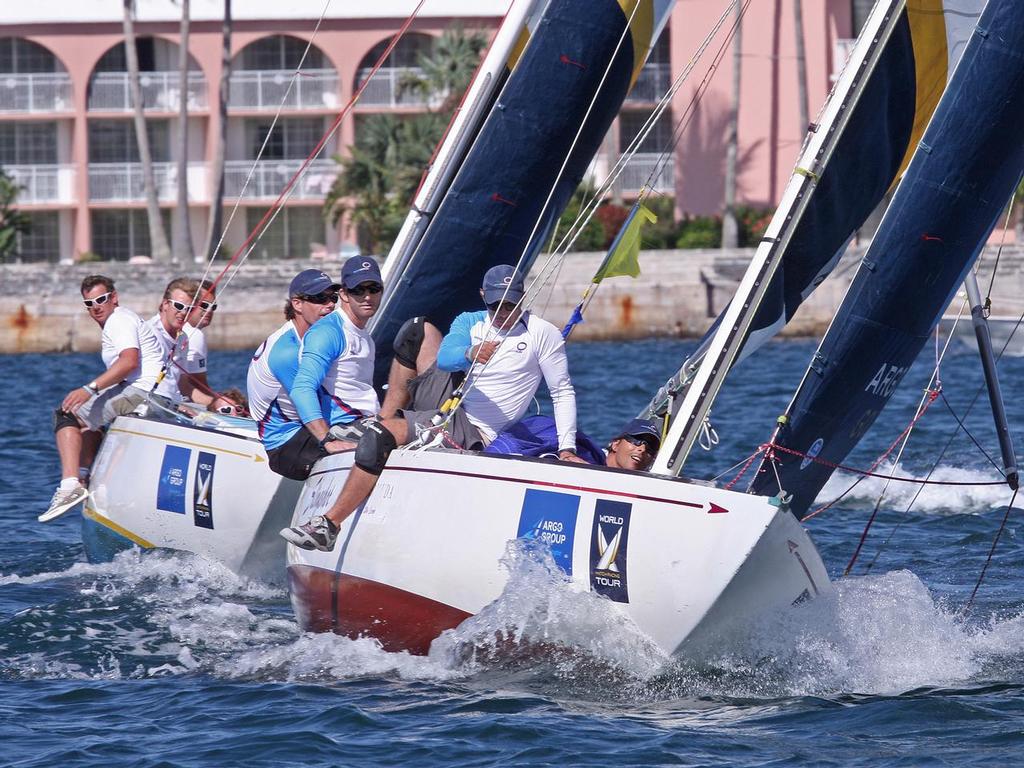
x=109, y=91
x=840, y=53
x=389, y=87
x=270, y=177
x=652, y=84
x=122, y=182
x=43, y=183
x=268, y=89
x=35, y=92
x=634, y=176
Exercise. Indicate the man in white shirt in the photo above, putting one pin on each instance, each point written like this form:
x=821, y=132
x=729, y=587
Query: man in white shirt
x=199, y=318
x=177, y=339
x=132, y=356
x=506, y=352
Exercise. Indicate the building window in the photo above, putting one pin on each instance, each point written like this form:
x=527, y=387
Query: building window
x=410, y=49
x=657, y=141
x=28, y=143
x=113, y=141
x=42, y=242
x=281, y=52
x=293, y=138
x=115, y=59
x=24, y=56
x=861, y=10
x=291, y=235
x=121, y=234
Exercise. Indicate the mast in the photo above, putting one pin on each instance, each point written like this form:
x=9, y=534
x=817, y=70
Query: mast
x=735, y=323
x=988, y=365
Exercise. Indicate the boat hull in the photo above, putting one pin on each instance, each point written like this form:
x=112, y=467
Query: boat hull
x=425, y=552
x=173, y=486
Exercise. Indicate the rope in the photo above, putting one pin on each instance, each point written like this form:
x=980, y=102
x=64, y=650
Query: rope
x=991, y=553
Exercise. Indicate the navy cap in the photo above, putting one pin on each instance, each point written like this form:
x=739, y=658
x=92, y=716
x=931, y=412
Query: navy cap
x=641, y=428
x=358, y=270
x=310, y=282
x=502, y=283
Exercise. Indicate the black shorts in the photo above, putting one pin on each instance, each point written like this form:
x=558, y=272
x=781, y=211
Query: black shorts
x=295, y=459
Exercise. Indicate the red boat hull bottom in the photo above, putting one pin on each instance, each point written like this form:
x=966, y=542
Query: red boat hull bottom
x=326, y=601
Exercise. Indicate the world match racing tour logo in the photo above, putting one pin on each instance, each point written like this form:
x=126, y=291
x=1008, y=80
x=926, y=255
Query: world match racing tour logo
x=609, y=540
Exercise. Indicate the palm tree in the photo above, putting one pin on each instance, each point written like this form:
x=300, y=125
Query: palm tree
x=448, y=68
x=12, y=221
x=801, y=66
x=161, y=251
x=730, y=227
x=217, y=193
x=182, y=230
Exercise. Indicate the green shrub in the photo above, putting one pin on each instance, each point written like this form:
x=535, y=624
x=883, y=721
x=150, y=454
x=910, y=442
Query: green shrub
x=700, y=232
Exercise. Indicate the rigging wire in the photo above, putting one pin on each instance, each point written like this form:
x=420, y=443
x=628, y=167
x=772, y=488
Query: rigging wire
x=991, y=553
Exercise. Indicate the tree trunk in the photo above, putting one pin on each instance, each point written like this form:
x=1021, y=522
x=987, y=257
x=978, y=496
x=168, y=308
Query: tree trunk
x=182, y=230
x=160, y=250
x=730, y=227
x=213, y=232
x=801, y=66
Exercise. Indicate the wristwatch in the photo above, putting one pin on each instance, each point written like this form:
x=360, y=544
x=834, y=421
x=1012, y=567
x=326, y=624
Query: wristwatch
x=91, y=388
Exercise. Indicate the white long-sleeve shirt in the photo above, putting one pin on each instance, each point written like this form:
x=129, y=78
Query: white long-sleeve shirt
x=501, y=391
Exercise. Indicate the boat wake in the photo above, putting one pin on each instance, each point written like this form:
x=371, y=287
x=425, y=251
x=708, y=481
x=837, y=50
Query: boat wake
x=174, y=614
x=935, y=499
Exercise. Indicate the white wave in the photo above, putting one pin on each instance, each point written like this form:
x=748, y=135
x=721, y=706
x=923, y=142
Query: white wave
x=952, y=499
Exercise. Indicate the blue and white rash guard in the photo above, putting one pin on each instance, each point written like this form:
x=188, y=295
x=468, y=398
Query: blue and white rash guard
x=501, y=391
x=271, y=375
x=335, y=377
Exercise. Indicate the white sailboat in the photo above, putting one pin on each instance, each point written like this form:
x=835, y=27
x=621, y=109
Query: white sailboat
x=687, y=562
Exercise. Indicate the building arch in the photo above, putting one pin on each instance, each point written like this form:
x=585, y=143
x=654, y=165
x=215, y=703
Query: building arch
x=280, y=52
x=19, y=55
x=158, y=77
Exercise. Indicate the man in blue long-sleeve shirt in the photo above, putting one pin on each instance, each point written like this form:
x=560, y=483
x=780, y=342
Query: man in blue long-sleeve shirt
x=507, y=352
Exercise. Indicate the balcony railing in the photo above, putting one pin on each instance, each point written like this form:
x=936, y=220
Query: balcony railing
x=840, y=53
x=35, y=92
x=43, y=183
x=652, y=84
x=122, y=182
x=270, y=177
x=389, y=88
x=267, y=89
x=109, y=91
x=634, y=176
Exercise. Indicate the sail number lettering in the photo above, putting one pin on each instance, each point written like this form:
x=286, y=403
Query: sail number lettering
x=884, y=382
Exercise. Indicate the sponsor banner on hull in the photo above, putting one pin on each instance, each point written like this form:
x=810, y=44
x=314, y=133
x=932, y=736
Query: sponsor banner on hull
x=170, y=491
x=550, y=518
x=202, y=490
x=609, y=539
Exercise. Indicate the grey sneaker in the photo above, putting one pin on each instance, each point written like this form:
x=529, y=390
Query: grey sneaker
x=319, y=533
x=62, y=501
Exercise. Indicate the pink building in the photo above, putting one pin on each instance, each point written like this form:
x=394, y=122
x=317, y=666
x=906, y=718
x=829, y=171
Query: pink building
x=66, y=131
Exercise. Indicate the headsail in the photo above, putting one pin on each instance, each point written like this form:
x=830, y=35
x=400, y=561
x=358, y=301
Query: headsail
x=491, y=210
x=949, y=199
x=897, y=72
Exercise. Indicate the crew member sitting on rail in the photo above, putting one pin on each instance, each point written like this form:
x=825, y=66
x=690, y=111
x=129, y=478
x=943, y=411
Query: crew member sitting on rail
x=334, y=383
x=506, y=353
x=177, y=338
x=291, y=450
x=635, y=446
x=132, y=356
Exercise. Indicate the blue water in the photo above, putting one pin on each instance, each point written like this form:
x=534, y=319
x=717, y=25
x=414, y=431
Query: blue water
x=166, y=660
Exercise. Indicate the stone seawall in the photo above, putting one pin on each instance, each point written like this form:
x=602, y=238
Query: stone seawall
x=678, y=294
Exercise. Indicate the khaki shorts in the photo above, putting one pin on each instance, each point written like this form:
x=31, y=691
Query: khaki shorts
x=459, y=429
x=118, y=400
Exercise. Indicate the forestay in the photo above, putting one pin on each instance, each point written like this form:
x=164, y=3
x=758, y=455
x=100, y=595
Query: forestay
x=944, y=209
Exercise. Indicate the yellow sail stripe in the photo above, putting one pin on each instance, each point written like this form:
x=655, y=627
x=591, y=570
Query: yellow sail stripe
x=931, y=63
x=641, y=28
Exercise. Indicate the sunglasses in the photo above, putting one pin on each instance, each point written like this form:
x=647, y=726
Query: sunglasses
x=652, y=447
x=230, y=410
x=506, y=306
x=208, y=306
x=99, y=301
x=326, y=297
x=361, y=290
x=178, y=306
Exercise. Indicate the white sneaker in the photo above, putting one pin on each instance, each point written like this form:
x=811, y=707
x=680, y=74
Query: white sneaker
x=63, y=501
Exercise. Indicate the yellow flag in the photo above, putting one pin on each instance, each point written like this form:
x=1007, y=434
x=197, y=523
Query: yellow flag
x=624, y=256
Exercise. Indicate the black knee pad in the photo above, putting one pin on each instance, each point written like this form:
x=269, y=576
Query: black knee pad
x=374, y=447
x=63, y=419
x=408, y=341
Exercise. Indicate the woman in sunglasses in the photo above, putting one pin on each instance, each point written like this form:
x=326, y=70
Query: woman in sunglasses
x=177, y=338
x=132, y=356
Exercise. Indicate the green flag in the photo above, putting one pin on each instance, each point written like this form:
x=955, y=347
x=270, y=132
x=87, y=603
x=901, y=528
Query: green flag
x=624, y=256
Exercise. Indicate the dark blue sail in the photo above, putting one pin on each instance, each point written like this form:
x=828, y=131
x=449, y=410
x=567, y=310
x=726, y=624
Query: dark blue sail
x=897, y=100
x=500, y=191
x=953, y=191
